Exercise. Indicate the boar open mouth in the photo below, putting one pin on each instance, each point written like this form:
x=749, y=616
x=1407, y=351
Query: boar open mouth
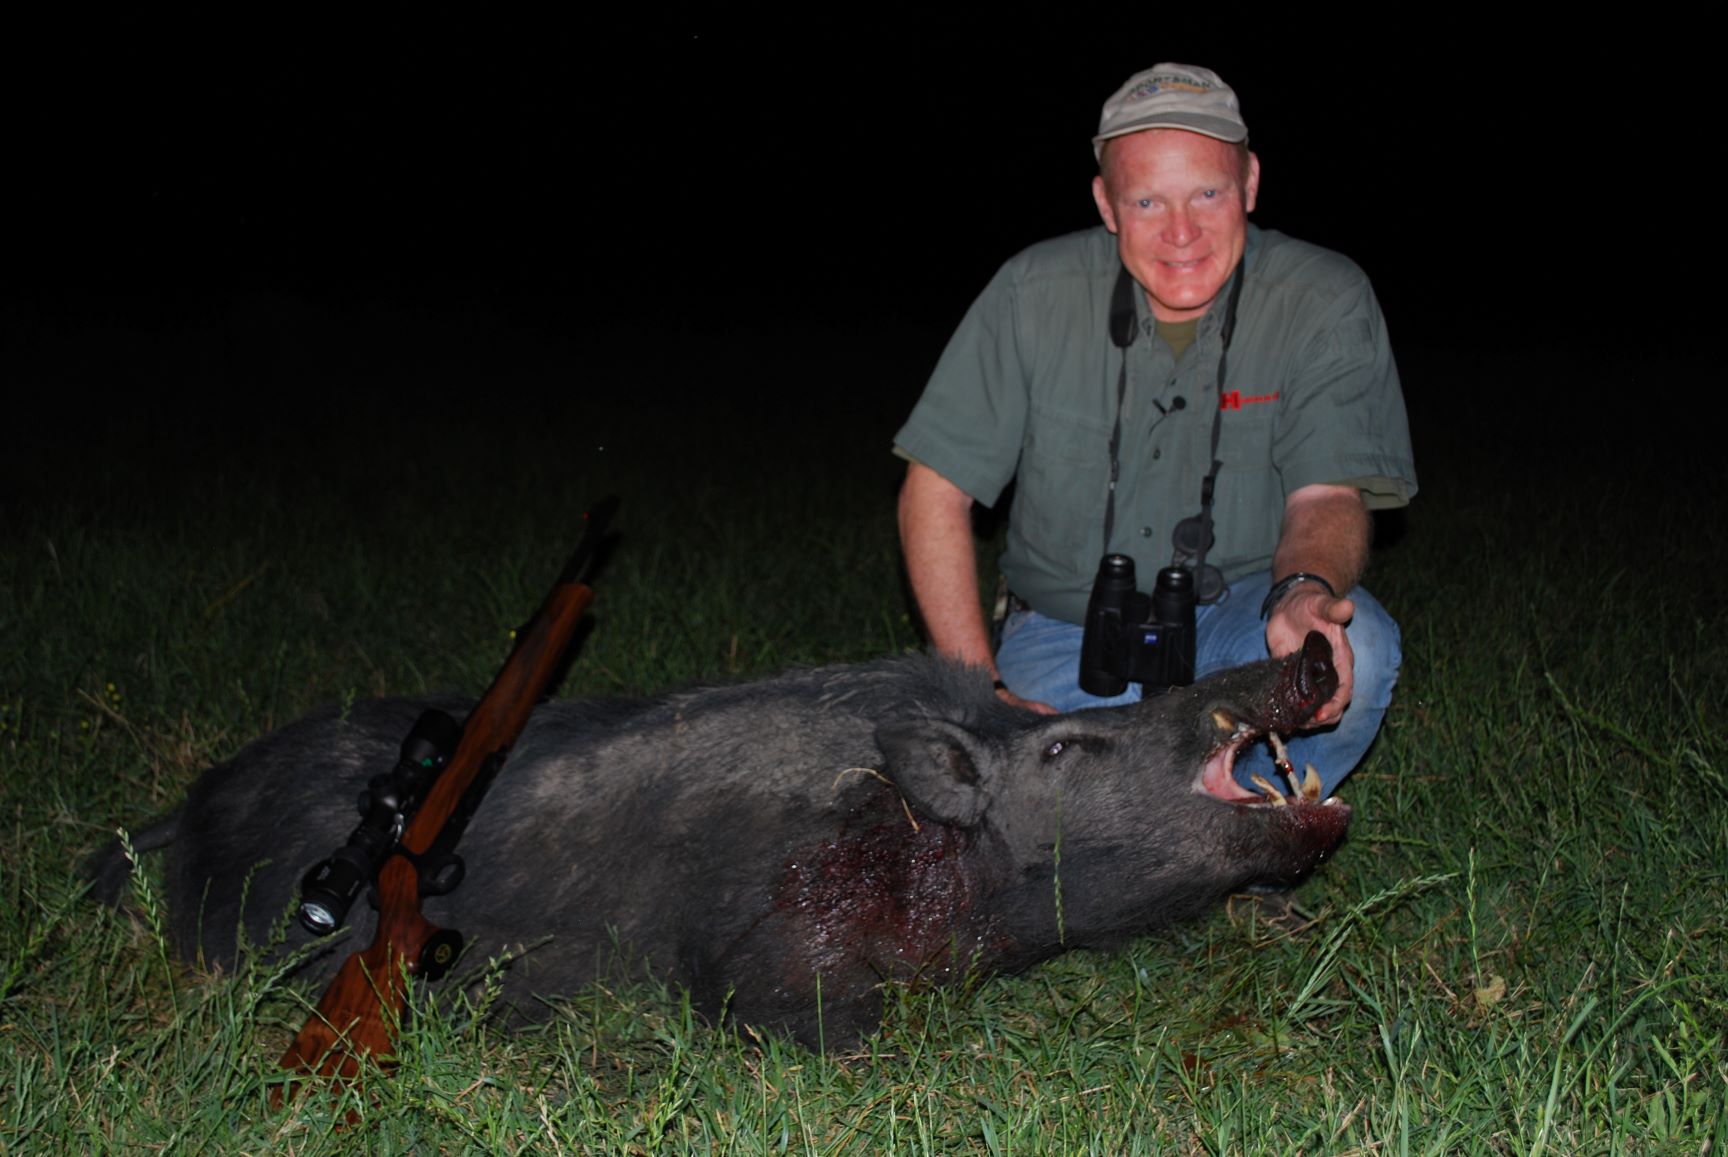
x=1217, y=776
x=1305, y=681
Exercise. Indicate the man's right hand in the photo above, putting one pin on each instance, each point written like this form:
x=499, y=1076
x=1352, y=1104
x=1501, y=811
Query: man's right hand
x=936, y=534
x=1014, y=700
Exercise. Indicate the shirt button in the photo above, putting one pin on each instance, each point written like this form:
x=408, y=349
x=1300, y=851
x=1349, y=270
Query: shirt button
x=1145, y=532
x=1157, y=454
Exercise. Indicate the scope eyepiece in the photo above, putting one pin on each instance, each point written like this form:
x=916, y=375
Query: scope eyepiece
x=330, y=889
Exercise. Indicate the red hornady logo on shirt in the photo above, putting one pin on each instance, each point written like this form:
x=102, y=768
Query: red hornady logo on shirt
x=1236, y=399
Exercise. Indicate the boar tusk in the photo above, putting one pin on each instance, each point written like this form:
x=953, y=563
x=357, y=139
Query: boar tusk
x=1310, y=783
x=1272, y=793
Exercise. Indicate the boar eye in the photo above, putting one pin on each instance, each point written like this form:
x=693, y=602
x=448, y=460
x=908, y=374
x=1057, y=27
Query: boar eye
x=1073, y=745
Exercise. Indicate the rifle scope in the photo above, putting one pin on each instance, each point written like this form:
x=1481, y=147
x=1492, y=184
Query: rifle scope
x=389, y=802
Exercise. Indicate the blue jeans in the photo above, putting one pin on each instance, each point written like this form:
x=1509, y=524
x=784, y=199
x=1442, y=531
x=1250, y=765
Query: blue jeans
x=1040, y=659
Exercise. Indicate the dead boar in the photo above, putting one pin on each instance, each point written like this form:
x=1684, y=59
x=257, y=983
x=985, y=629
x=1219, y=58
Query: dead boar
x=799, y=840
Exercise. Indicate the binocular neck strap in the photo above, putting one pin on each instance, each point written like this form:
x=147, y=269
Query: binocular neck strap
x=1123, y=326
x=1225, y=333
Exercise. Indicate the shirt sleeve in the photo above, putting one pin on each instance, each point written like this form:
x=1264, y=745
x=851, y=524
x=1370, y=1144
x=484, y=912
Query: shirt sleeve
x=970, y=421
x=1344, y=422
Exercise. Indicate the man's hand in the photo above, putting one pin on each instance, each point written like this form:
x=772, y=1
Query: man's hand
x=1325, y=532
x=1309, y=608
x=936, y=534
x=1014, y=700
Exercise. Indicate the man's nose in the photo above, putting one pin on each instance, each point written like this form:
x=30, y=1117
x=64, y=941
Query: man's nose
x=1179, y=227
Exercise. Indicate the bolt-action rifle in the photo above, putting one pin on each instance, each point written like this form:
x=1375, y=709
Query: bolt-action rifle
x=405, y=844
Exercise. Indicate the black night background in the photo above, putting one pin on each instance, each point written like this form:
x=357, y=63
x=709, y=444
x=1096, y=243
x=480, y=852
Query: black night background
x=224, y=231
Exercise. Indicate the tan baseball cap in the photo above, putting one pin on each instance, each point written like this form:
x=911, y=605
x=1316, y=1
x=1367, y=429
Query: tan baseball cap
x=1173, y=96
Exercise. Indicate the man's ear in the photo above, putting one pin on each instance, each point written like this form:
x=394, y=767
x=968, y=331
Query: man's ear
x=1251, y=184
x=941, y=768
x=1101, y=197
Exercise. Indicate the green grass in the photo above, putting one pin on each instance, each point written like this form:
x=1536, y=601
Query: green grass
x=1520, y=950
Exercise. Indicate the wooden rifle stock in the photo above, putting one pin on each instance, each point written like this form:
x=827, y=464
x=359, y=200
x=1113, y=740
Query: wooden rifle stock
x=362, y=1008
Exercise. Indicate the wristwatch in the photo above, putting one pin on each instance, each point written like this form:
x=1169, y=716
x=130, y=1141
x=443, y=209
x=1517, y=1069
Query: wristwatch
x=1282, y=588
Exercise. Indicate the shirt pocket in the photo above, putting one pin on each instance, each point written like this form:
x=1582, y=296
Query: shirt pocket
x=1249, y=500
x=1063, y=484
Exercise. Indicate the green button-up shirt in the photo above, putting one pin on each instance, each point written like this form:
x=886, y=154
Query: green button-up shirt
x=1026, y=390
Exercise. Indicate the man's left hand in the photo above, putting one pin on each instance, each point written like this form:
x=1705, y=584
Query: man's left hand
x=1309, y=608
x=1325, y=533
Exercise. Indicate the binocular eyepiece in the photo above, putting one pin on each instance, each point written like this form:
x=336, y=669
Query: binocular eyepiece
x=1148, y=639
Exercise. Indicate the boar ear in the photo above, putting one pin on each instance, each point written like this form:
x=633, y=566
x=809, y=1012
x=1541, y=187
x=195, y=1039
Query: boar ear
x=938, y=766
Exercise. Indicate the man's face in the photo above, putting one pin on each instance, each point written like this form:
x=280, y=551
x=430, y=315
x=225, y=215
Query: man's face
x=1178, y=203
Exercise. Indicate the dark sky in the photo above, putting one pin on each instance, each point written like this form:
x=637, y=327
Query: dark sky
x=699, y=168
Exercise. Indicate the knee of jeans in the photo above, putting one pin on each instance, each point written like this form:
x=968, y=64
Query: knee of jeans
x=1377, y=646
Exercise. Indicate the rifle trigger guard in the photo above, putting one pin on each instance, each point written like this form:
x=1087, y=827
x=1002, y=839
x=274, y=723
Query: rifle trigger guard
x=440, y=874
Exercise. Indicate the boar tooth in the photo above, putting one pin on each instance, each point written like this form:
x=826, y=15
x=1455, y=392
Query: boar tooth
x=1281, y=758
x=1271, y=793
x=1310, y=782
x=1222, y=720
